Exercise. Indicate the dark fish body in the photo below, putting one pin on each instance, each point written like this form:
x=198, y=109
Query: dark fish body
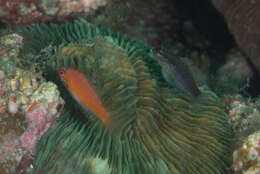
x=177, y=74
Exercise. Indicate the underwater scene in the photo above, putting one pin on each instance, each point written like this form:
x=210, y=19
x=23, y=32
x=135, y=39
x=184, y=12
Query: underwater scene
x=129, y=87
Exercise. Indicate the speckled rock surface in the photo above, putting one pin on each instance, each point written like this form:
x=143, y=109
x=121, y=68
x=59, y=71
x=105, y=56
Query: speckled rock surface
x=246, y=159
x=29, y=107
x=244, y=116
x=27, y=12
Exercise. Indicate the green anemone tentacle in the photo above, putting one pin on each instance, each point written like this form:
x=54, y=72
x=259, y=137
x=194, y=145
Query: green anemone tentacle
x=157, y=130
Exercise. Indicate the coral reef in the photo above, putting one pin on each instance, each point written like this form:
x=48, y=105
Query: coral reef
x=247, y=159
x=31, y=11
x=10, y=46
x=241, y=17
x=28, y=108
x=159, y=131
x=244, y=116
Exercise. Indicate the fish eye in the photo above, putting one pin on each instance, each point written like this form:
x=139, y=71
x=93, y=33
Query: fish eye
x=62, y=72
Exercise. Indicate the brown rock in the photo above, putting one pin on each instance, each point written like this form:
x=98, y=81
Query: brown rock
x=241, y=17
x=2, y=171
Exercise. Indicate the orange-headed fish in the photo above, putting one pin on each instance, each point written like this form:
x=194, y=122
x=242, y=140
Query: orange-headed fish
x=81, y=89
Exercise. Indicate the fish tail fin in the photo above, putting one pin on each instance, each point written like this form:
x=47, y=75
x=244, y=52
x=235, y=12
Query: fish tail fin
x=112, y=126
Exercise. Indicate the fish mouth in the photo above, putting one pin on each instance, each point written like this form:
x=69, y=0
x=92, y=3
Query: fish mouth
x=161, y=57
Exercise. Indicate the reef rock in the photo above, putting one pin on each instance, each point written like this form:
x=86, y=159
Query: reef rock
x=30, y=11
x=28, y=108
x=233, y=76
x=242, y=19
x=246, y=158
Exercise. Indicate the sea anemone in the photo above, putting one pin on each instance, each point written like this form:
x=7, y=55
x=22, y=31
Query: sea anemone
x=157, y=130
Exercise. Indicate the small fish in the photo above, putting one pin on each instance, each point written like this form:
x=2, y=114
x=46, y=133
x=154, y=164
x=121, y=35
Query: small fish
x=82, y=90
x=177, y=74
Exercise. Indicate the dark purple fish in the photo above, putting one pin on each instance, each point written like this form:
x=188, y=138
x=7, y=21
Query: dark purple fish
x=177, y=74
